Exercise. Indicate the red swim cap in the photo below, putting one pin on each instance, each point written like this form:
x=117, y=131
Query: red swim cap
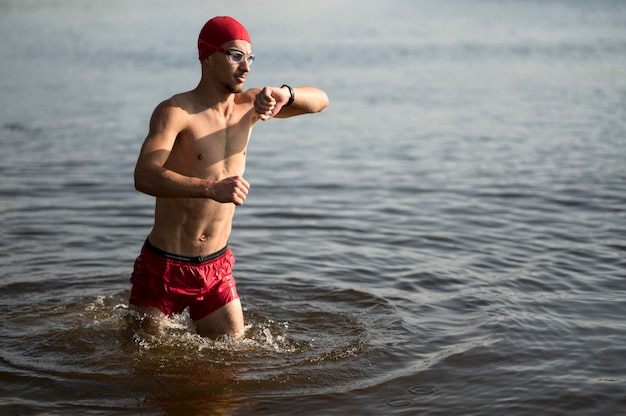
x=218, y=31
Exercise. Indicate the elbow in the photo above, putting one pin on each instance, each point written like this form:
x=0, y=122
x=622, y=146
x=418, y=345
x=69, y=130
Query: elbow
x=324, y=101
x=141, y=184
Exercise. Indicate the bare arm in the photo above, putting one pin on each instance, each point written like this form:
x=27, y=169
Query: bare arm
x=270, y=102
x=153, y=178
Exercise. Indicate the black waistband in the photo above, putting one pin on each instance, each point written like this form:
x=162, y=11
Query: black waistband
x=178, y=257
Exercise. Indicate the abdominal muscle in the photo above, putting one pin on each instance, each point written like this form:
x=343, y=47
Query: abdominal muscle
x=191, y=227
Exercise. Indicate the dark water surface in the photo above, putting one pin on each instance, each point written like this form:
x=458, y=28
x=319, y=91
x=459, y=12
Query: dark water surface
x=448, y=237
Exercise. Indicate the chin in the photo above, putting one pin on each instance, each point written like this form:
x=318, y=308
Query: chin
x=234, y=89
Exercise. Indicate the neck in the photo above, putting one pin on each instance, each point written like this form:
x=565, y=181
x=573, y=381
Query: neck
x=214, y=95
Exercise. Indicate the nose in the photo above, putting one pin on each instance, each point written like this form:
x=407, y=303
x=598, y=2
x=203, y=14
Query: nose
x=245, y=65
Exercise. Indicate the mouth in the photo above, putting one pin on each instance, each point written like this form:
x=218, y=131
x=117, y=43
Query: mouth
x=241, y=78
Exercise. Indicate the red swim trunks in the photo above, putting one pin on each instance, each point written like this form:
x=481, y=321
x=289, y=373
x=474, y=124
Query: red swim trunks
x=172, y=283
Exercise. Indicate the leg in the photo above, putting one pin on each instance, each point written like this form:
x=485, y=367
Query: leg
x=226, y=320
x=149, y=320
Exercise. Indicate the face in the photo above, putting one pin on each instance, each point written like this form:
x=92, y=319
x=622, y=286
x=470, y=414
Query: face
x=233, y=74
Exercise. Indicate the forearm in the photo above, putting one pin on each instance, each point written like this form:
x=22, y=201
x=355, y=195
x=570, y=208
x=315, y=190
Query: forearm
x=306, y=100
x=164, y=183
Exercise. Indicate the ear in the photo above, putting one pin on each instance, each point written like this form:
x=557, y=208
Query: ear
x=206, y=63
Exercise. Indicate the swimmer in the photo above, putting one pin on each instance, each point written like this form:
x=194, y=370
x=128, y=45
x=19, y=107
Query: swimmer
x=192, y=161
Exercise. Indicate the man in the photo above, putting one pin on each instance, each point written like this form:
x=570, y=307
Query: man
x=193, y=161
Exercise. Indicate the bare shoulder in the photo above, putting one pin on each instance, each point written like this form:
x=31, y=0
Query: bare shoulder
x=248, y=96
x=245, y=100
x=171, y=112
x=182, y=102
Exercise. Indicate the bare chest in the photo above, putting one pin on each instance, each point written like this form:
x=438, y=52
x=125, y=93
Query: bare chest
x=211, y=150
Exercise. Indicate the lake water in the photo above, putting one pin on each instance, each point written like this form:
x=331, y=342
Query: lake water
x=447, y=238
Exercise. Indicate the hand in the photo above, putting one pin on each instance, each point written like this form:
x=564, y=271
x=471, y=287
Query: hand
x=269, y=101
x=233, y=189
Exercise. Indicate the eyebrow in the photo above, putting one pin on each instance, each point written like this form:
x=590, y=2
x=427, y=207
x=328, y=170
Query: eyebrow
x=239, y=50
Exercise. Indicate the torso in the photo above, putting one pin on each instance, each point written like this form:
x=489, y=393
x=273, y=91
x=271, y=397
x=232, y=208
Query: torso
x=213, y=146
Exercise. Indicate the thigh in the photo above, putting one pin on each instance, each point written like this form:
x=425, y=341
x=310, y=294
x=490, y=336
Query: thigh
x=227, y=320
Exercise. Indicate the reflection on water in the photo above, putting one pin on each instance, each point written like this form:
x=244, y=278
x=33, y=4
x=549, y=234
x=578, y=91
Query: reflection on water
x=446, y=238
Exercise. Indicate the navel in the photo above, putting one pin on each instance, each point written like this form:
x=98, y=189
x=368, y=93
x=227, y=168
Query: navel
x=200, y=157
x=202, y=237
